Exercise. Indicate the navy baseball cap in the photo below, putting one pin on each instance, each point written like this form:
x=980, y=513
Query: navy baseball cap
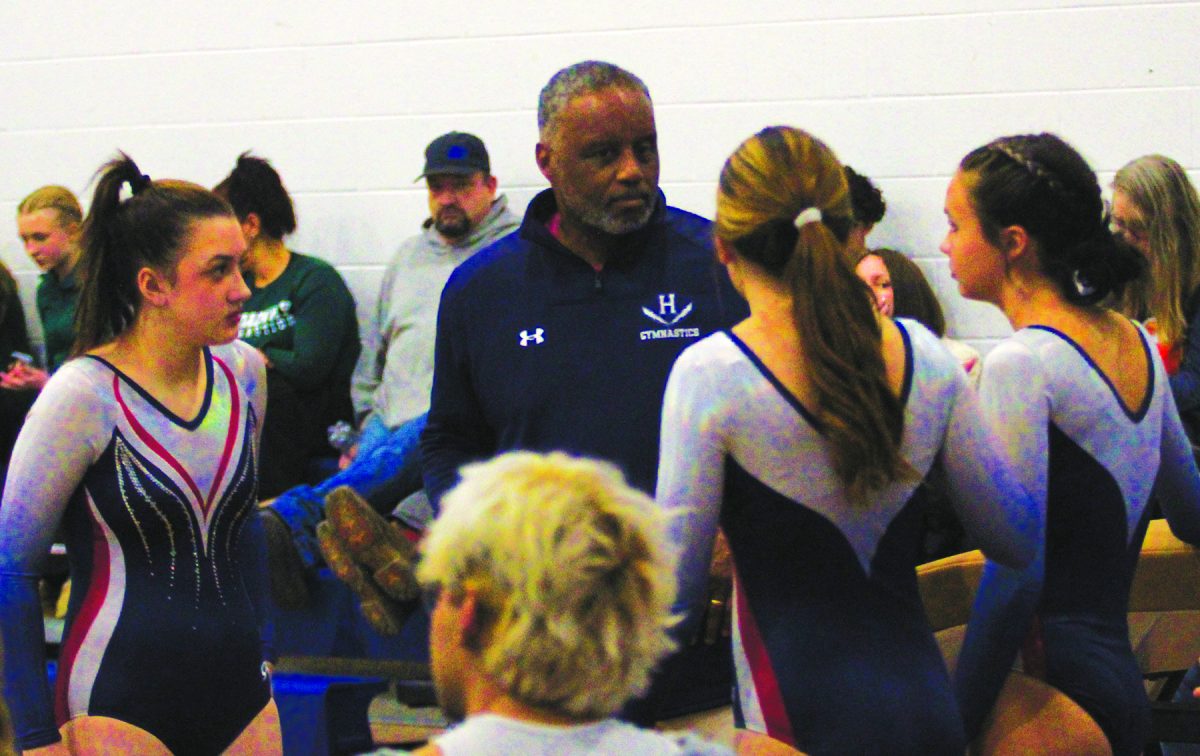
x=456, y=153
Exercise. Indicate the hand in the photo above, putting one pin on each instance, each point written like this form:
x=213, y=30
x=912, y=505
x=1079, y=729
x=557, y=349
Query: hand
x=718, y=611
x=347, y=457
x=23, y=377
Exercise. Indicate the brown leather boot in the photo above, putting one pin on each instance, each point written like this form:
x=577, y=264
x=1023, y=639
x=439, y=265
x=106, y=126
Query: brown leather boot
x=288, y=575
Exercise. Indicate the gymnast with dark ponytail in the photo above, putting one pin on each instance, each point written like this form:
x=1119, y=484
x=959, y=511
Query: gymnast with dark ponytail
x=143, y=447
x=1086, y=410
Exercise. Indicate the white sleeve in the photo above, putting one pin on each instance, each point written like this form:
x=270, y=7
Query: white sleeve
x=691, y=475
x=996, y=456
x=250, y=371
x=66, y=431
x=256, y=386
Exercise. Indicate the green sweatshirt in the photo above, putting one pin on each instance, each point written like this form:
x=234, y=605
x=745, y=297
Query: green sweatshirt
x=305, y=323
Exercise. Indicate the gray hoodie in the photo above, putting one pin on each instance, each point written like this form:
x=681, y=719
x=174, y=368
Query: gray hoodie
x=395, y=370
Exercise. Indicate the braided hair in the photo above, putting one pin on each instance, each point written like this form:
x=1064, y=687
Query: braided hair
x=1041, y=183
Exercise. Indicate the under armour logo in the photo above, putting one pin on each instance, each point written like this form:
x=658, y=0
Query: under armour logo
x=537, y=336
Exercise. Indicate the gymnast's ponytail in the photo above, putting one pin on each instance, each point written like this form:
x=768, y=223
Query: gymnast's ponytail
x=783, y=204
x=132, y=223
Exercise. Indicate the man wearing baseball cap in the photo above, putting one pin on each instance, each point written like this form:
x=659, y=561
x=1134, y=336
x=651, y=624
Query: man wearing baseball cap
x=395, y=371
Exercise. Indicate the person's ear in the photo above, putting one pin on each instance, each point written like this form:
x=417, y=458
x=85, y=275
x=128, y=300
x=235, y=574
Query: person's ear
x=1015, y=243
x=251, y=227
x=154, y=287
x=541, y=153
x=470, y=621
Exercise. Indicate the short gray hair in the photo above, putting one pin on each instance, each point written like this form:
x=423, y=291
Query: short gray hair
x=578, y=79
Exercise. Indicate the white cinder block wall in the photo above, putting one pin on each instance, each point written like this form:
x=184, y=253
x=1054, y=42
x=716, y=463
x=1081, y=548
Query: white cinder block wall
x=344, y=96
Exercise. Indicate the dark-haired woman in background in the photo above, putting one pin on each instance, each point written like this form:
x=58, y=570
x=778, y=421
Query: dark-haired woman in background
x=301, y=317
x=1086, y=409
x=866, y=202
x=805, y=432
x=143, y=448
x=902, y=291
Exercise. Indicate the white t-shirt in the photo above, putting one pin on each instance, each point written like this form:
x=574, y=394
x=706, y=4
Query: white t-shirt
x=493, y=734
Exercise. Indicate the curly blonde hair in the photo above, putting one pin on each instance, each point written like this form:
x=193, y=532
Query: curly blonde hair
x=572, y=570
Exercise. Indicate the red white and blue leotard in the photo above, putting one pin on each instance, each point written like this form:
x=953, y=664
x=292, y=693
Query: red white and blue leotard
x=832, y=649
x=161, y=630
x=1093, y=463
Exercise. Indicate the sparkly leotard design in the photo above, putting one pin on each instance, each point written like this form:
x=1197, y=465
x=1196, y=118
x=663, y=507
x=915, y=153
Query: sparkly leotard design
x=161, y=631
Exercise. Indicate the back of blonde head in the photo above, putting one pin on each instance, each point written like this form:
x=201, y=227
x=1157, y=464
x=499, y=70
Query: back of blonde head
x=573, y=571
x=766, y=183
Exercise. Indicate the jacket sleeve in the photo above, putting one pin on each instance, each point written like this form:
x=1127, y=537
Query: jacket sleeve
x=61, y=438
x=1185, y=384
x=1177, y=486
x=1016, y=405
x=456, y=432
x=325, y=320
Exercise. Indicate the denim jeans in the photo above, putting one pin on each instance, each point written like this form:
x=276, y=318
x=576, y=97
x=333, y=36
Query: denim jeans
x=386, y=469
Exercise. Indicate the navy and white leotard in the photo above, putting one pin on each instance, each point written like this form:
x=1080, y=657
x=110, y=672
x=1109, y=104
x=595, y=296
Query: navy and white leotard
x=1094, y=462
x=832, y=649
x=161, y=631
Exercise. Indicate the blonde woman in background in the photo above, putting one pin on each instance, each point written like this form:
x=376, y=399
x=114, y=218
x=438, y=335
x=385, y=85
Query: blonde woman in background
x=1155, y=208
x=49, y=222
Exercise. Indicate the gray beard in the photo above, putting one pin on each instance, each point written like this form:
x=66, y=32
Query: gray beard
x=601, y=219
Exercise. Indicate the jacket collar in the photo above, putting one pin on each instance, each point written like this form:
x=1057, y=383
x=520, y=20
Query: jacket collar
x=543, y=207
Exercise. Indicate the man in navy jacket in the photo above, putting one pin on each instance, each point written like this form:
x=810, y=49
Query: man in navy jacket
x=561, y=336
